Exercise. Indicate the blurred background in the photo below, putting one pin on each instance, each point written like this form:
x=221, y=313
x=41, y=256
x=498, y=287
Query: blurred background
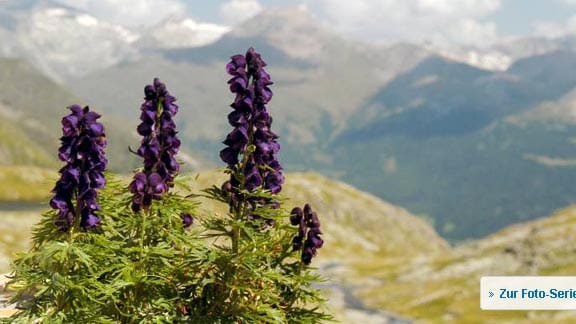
x=436, y=138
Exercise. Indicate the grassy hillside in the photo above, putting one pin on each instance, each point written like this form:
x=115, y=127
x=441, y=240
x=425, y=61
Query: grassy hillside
x=25, y=184
x=351, y=219
x=17, y=148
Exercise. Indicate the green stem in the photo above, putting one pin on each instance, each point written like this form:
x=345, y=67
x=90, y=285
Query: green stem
x=143, y=231
x=236, y=228
x=240, y=210
x=235, y=239
x=77, y=218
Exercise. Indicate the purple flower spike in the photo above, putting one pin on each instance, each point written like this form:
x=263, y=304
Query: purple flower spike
x=309, y=228
x=83, y=144
x=252, y=128
x=158, y=148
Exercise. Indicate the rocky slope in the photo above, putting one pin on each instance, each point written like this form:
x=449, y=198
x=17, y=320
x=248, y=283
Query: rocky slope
x=445, y=288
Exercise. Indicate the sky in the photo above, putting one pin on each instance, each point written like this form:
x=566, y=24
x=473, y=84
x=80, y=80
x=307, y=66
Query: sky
x=467, y=22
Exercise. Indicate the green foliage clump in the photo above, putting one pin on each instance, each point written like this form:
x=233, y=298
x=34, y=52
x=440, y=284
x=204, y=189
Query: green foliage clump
x=147, y=267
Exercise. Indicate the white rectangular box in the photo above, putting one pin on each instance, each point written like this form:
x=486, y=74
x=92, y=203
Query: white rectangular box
x=528, y=293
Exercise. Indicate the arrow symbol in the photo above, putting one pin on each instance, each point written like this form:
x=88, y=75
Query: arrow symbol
x=490, y=294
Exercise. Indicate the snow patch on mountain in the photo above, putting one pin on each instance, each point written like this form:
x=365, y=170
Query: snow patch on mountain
x=182, y=32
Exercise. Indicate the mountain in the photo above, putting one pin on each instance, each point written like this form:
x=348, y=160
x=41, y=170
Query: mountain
x=54, y=38
x=415, y=128
x=426, y=132
x=440, y=97
x=24, y=186
x=440, y=140
x=533, y=46
x=499, y=56
x=562, y=111
x=31, y=107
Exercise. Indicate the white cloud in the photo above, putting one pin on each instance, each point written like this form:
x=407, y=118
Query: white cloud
x=446, y=21
x=555, y=29
x=470, y=32
x=236, y=11
x=457, y=7
x=129, y=12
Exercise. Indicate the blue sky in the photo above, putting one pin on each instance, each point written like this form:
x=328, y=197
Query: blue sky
x=441, y=21
x=518, y=17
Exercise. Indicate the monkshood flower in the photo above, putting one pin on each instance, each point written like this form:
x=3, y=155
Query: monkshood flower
x=82, y=148
x=158, y=148
x=308, y=238
x=252, y=126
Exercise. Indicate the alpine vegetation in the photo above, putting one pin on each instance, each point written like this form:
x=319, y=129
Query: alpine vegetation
x=145, y=251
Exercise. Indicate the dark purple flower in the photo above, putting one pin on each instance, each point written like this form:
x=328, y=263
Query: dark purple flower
x=274, y=181
x=309, y=228
x=296, y=243
x=138, y=183
x=253, y=178
x=296, y=216
x=237, y=65
x=237, y=139
x=82, y=148
x=145, y=189
x=226, y=188
x=158, y=148
x=89, y=220
x=229, y=156
x=187, y=220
